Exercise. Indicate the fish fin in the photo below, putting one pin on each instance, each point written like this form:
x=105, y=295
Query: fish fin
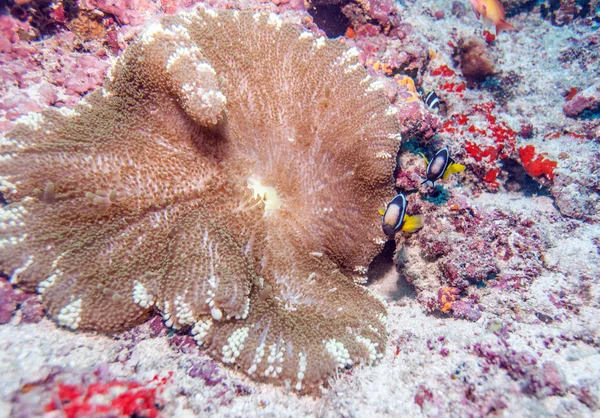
x=424, y=158
x=503, y=25
x=477, y=15
x=453, y=168
x=488, y=25
x=412, y=223
x=381, y=211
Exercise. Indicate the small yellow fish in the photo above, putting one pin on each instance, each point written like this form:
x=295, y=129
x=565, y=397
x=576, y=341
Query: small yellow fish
x=492, y=15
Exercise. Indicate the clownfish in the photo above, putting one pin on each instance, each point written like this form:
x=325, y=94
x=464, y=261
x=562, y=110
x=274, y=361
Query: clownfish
x=394, y=217
x=441, y=166
x=432, y=101
x=492, y=15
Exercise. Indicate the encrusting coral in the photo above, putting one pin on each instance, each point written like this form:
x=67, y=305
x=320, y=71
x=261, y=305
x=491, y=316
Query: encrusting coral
x=228, y=175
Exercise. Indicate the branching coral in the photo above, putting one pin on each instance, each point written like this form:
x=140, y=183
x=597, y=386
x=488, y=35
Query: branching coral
x=228, y=175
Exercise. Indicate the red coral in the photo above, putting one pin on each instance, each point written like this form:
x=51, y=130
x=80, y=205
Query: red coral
x=462, y=119
x=534, y=165
x=453, y=87
x=443, y=71
x=490, y=176
x=571, y=93
x=489, y=37
x=479, y=153
x=119, y=399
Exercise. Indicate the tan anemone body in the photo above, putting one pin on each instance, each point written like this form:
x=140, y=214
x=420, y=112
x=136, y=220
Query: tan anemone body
x=228, y=176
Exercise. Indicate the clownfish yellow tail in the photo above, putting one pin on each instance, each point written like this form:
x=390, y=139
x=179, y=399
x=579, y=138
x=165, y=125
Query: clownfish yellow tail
x=424, y=158
x=412, y=223
x=453, y=168
x=381, y=211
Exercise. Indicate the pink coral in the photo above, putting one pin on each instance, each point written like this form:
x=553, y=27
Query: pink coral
x=127, y=12
x=8, y=301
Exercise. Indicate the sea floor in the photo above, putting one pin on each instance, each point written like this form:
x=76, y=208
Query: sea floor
x=527, y=344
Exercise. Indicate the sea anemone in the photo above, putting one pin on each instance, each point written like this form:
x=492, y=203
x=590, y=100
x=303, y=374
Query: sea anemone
x=228, y=176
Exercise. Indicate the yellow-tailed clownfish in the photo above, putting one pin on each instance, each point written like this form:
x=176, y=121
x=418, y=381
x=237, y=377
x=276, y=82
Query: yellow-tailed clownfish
x=432, y=101
x=441, y=166
x=394, y=217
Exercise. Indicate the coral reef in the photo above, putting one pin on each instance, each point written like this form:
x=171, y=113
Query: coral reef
x=128, y=12
x=463, y=251
x=225, y=198
x=49, y=72
x=586, y=101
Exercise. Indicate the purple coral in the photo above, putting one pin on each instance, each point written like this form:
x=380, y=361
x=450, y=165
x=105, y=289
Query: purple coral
x=462, y=250
x=587, y=100
x=8, y=301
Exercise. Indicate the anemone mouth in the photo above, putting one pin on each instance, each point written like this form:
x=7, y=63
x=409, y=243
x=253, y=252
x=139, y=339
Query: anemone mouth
x=267, y=194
